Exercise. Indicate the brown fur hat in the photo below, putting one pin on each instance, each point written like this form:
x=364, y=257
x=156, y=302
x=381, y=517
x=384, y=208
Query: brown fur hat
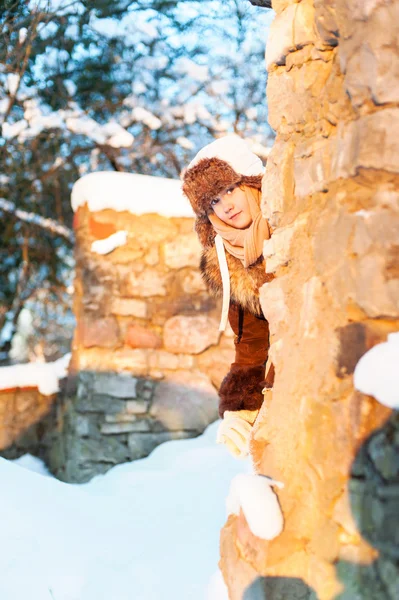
x=212, y=172
x=209, y=178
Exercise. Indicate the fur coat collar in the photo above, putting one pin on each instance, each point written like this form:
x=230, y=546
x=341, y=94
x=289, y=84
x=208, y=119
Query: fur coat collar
x=244, y=283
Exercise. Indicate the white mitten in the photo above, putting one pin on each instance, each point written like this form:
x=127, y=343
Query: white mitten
x=235, y=429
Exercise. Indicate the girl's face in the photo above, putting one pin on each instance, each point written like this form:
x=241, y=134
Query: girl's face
x=232, y=208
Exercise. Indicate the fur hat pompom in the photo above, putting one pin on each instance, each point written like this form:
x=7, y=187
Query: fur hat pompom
x=225, y=162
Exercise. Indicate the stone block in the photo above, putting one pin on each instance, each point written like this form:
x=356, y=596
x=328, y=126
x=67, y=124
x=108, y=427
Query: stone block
x=25, y=400
x=185, y=251
x=142, y=444
x=105, y=450
x=133, y=360
x=278, y=183
x=272, y=300
x=136, y=407
x=312, y=292
x=283, y=111
x=190, y=335
x=149, y=230
x=117, y=428
x=138, y=336
x=276, y=250
x=185, y=401
x=82, y=426
x=326, y=21
x=162, y=309
x=215, y=362
x=170, y=361
x=368, y=51
x=312, y=167
x=129, y=307
x=100, y=229
x=373, y=293
x=121, y=385
x=333, y=230
x=370, y=142
x=102, y=332
x=146, y=284
x=352, y=346
x=293, y=28
x=193, y=283
x=120, y=418
x=100, y=403
x=375, y=228
x=152, y=256
x=280, y=5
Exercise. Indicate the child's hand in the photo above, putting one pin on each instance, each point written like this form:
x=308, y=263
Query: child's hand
x=235, y=430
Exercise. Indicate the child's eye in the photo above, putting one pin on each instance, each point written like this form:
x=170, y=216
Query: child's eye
x=214, y=201
x=230, y=190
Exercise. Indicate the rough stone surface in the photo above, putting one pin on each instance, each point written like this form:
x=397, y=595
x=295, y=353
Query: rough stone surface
x=190, y=335
x=148, y=283
x=112, y=384
x=21, y=410
x=99, y=332
x=138, y=336
x=216, y=362
x=169, y=361
x=330, y=195
x=142, y=444
x=185, y=401
x=293, y=28
x=129, y=307
x=276, y=250
x=185, y=251
x=193, y=283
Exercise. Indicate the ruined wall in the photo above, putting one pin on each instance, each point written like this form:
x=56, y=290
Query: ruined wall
x=331, y=193
x=21, y=412
x=147, y=355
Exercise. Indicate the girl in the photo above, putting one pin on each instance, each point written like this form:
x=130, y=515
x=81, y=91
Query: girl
x=223, y=184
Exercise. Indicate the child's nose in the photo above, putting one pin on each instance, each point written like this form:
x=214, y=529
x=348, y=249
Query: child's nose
x=227, y=204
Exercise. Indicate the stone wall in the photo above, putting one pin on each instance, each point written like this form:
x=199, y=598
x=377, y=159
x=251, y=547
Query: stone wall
x=331, y=193
x=22, y=411
x=147, y=354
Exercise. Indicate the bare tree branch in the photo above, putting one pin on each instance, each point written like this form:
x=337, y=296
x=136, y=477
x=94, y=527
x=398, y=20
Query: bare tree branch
x=29, y=217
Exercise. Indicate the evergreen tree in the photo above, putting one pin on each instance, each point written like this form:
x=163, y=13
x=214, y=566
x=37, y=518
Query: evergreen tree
x=110, y=85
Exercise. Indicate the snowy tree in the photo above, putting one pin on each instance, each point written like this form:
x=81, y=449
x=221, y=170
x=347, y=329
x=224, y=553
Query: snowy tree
x=110, y=84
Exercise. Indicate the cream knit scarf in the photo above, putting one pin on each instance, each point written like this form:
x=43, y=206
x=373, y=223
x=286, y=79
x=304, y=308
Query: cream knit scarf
x=244, y=244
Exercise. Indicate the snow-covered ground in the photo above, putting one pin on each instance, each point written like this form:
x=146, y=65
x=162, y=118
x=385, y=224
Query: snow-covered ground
x=146, y=530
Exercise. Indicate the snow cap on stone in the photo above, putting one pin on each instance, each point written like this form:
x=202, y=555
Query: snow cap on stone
x=235, y=151
x=377, y=374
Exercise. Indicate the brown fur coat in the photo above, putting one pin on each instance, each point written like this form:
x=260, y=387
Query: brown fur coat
x=242, y=387
x=244, y=283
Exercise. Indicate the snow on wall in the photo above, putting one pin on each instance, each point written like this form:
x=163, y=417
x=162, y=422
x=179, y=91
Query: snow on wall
x=138, y=194
x=44, y=376
x=377, y=373
x=254, y=495
x=109, y=244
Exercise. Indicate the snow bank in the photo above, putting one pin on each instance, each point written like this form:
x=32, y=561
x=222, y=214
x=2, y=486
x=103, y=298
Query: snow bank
x=138, y=194
x=109, y=244
x=44, y=376
x=146, y=530
x=254, y=495
x=377, y=372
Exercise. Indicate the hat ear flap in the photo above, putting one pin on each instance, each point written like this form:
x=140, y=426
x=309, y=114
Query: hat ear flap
x=205, y=231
